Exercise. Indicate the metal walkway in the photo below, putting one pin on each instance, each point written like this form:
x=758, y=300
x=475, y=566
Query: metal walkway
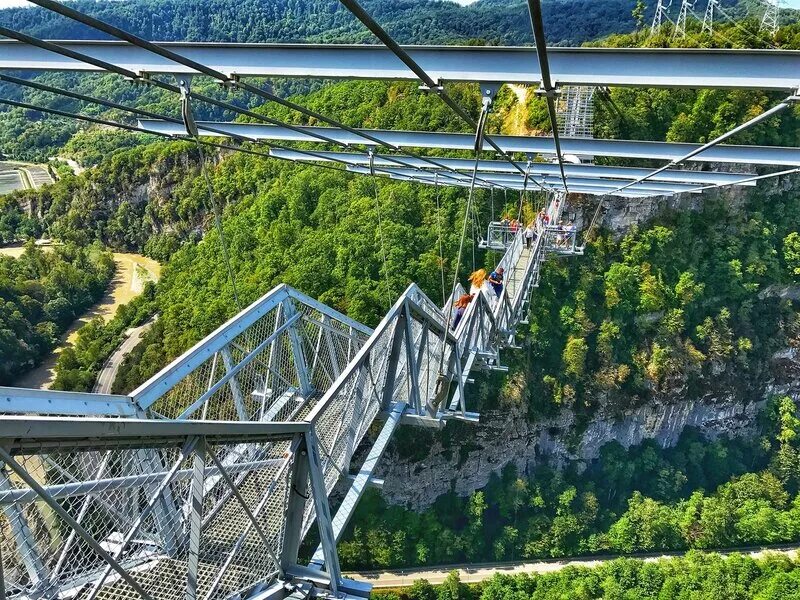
x=203, y=481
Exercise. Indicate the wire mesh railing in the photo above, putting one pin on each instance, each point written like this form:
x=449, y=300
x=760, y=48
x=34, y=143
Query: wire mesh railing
x=109, y=516
x=101, y=508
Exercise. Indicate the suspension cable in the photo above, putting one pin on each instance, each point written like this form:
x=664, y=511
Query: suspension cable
x=548, y=89
x=380, y=227
x=191, y=128
x=459, y=256
x=523, y=191
x=439, y=223
x=218, y=223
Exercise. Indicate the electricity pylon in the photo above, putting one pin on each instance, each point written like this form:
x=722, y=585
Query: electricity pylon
x=680, y=24
x=770, y=20
x=661, y=12
x=708, y=18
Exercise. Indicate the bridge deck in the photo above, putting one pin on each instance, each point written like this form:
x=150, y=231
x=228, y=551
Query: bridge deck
x=516, y=276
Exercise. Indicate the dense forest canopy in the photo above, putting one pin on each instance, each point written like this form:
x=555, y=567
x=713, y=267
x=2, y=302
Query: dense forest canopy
x=569, y=22
x=42, y=292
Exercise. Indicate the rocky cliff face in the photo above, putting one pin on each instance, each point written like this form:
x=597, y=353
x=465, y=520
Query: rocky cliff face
x=507, y=435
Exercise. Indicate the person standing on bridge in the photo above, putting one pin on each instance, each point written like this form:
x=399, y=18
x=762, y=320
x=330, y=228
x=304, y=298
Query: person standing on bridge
x=477, y=280
x=461, y=307
x=530, y=233
x=496, y=279
x=571, y=232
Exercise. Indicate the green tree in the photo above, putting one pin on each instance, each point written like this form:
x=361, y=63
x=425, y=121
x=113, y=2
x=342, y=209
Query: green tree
x=791, y=253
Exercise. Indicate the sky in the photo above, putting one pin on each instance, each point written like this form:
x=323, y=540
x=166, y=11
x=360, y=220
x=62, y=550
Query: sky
x=8, y=3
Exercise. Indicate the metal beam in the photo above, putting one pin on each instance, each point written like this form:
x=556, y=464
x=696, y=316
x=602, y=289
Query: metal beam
x=578, y=189
x=172, y=57
x=362, y=479
x=588, y=171
x=32, y=432
x=755, y=155
x=57, y=50
x=547, y=89
x=645, y=67
x=548, y=180
x=50, y=402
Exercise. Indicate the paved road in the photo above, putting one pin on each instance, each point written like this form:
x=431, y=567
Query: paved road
x=480, y=572
x=108, y=373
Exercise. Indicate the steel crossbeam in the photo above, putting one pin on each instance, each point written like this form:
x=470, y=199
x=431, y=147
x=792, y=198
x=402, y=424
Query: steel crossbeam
x=573, y=171
x=755, y=155
x=645, y=67
x=520, y=186
x=502, y=179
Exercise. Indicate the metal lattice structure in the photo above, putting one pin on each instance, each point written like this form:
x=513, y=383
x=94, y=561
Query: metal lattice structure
x=576, y=112
x=683, y=15
x=659, y=16
x=708, y=17
x=203, y=482
x=769, y=22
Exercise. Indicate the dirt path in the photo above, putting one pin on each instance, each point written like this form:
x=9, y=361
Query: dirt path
x=133, y=271
x=480, y=572
x=516, y=121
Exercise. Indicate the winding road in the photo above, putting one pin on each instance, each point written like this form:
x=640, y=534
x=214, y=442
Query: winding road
x=133, y=271
x=475, y=573
x=105, y=379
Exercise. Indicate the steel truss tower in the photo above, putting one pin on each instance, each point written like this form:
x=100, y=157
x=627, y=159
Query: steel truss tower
x=658, y=16
x=680, y=24
x=770, y=20
x=708, y=18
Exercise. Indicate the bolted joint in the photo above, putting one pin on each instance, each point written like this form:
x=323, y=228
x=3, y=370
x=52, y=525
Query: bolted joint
x=231, y=82
x=553, y=92
x=142, y=78
x=439, y=89
x=794, y=98
x=489, y=93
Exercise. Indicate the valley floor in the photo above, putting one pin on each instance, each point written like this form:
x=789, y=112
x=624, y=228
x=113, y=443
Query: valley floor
x=133, y=271
x=474, y=573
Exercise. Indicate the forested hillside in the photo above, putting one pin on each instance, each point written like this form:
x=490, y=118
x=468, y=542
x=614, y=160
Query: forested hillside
x=42, y=292
x=693, y=303
x=410, y=21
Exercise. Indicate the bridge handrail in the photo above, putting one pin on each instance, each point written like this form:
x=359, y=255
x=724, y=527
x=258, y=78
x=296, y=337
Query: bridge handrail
x=163, y=381
x=162, y=464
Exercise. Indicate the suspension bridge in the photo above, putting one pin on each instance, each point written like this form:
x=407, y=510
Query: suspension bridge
x=205, y=481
